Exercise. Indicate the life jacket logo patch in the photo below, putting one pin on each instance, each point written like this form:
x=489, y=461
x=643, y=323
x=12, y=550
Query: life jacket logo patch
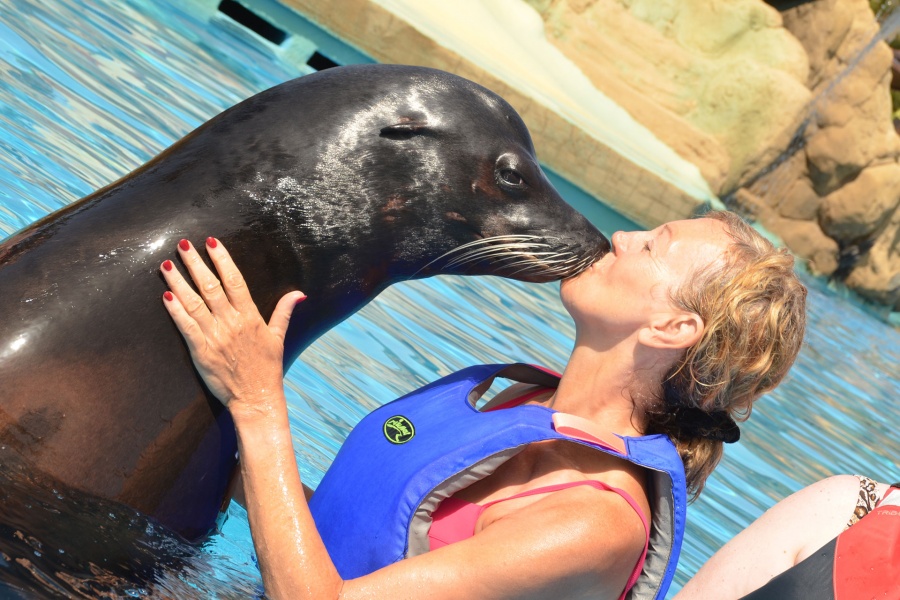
x=399, y=430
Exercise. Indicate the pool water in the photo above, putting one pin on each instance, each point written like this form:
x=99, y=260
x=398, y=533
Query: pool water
x=90, y=90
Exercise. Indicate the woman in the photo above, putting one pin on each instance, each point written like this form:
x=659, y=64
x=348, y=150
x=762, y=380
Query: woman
x=838, y=538
x=678, y=330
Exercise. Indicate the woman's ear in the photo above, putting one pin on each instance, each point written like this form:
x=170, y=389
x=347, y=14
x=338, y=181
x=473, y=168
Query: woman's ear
x=672, y=331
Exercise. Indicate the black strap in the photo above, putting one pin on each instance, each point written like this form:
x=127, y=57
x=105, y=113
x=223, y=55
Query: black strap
x=810, y=578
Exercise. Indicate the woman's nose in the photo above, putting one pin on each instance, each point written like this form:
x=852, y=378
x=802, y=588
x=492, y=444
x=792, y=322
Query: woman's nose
x=622, y=240
x=618, y=241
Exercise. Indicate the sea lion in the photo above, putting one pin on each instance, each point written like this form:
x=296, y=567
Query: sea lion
x=338, y=183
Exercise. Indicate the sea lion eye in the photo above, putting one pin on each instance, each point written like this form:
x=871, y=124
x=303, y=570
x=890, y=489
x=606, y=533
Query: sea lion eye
x=511, y=177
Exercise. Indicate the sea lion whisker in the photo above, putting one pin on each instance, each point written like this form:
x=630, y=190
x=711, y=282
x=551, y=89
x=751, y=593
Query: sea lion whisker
x=505, y=249
x=497, y=256
x=554, y=258
x=483, y=250
x=512, y=245
x=530, y=268
x=569, y=265
x=545, y=260
x=527, y=257
x=533, y=265
x=506, y=252
x=493, y=240
x=576, y=266
x=565, y=267
x=574, y=259
x=501, y=240
x=544, y=263
x=488, y=241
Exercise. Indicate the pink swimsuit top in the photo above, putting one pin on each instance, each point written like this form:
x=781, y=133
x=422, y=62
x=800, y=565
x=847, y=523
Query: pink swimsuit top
x=454, y=520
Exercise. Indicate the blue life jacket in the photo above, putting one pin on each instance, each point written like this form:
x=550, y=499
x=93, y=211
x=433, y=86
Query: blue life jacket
x=374, y=505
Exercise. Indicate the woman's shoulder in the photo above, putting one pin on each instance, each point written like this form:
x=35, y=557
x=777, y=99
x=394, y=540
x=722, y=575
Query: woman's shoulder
x=572, y=543
x=616, y=472
x=593, y=534
x=563, y=476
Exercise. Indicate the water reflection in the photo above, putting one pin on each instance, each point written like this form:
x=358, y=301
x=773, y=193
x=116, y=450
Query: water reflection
x=112, y=84
x=91, y=90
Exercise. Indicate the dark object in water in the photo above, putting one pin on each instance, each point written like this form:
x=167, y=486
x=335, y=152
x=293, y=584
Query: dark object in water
x=339, y=183
x=58, y=542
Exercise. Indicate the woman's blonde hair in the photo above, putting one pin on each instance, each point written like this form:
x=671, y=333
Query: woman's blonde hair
x=753, y=307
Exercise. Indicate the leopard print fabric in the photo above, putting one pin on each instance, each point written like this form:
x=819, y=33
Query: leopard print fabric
x=868, y=498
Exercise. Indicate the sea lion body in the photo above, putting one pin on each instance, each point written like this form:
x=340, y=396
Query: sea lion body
x=338, y=183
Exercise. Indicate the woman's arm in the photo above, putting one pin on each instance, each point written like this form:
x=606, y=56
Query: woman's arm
x=784, y=535
x=573, y=543
x=240, y=359
x=293, y=560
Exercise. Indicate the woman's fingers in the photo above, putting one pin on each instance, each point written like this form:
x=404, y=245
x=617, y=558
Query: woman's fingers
x=206, y=281
x=190, y=302
x=187, y=325
x=232, y=281
x=281, y=317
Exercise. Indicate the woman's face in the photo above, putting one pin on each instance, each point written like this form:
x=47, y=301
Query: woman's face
x=631, y=285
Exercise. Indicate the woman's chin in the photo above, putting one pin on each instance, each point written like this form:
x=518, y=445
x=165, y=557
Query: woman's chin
x=568, y=292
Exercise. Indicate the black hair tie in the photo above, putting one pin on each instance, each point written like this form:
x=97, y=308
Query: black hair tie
x=717, y=425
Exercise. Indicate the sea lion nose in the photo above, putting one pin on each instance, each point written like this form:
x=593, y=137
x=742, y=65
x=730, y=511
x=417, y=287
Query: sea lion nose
x=593, y=242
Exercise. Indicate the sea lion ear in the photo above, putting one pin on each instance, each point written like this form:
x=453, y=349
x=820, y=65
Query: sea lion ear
x=404, y=129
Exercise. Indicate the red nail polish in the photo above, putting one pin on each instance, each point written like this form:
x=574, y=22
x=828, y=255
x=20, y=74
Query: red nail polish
x=184, y=245
x=211, y=242
x=168, y=296
x=300, y=299
x=167, y=265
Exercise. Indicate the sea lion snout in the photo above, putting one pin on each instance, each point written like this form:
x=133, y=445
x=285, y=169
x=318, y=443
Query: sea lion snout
x=522, y=228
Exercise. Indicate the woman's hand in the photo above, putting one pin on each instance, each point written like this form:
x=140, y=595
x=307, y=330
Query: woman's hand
x=238, y=355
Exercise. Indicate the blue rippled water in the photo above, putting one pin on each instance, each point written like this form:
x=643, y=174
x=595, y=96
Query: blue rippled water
x=91, y=89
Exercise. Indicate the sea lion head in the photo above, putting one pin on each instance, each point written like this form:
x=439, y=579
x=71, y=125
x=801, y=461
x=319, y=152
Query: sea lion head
x=441, y=173
x=491, y=208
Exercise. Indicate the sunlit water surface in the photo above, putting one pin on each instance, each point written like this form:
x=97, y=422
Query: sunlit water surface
x=90, y=90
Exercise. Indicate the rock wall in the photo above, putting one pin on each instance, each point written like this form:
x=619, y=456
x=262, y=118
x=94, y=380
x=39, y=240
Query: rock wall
x=835, y=199
x=700, y=73
x=763, y=102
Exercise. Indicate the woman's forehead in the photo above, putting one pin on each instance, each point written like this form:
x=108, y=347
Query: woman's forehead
x=695, y=242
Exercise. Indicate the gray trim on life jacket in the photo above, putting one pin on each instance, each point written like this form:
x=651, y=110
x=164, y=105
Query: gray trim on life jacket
x=421, y=521
x=662, y=517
